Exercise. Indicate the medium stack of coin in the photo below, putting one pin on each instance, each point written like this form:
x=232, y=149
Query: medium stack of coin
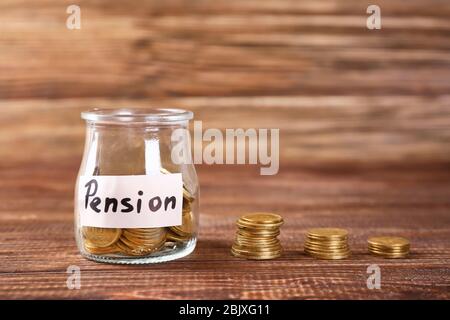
x=389, y=247
x=256, y=237
x=327, y=243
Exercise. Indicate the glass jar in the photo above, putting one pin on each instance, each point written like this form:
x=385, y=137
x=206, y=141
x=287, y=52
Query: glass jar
x=137, y=194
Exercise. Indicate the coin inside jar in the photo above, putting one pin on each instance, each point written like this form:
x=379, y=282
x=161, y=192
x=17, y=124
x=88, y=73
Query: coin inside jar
x=187, y=226
x=101, y=237
x=141, y=241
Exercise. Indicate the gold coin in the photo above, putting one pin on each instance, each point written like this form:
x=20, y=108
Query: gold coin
x=141, y=241
x=387, y=241
x=258, y=234
x=257, y=242
x=267, y=256
x=144, y=233
x=187, y=226
x=151, y=234
x=388, y=253
x=258, y=255
x=186, y=194
x=386, y=249
x=257, y=228
x=127, y=250
x=321, y=249
x=343, y=251
x=172, y=236
x=318, y=248
x=130, y=241
x=98, y=250
x=255, y=249
x=327, y=233
x=137, y=250
x=326, y=244
x=102, y=237
x=260, y=220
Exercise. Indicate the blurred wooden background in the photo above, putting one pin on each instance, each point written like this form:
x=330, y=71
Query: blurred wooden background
x=338, y=91
x=364, y=118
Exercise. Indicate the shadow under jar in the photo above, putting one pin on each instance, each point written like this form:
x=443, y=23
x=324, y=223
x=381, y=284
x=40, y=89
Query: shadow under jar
x=137, y=194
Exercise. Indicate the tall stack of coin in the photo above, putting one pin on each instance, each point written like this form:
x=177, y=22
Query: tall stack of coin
x=256, y=237
x=327, y=243
x=389, y=247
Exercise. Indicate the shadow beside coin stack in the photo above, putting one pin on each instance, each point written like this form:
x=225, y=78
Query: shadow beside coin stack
x=140, y=241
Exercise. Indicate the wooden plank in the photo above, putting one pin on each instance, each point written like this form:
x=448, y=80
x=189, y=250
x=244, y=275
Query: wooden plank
x=364, y=119
x=314, y=131
x=225, y=48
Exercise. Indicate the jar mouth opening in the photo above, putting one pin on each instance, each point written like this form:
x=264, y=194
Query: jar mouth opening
x=137, y=115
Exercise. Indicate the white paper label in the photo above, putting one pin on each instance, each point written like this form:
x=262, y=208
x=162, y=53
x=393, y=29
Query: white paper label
x=145, y=201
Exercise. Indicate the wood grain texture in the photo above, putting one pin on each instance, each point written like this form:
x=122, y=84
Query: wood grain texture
x=364, y=119
x=223, y=48
x=338, y=91
x=37, y=245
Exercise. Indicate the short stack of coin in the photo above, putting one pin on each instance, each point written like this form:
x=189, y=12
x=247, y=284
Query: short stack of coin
x=256, y=237
x=389, y=247
x=327, y=243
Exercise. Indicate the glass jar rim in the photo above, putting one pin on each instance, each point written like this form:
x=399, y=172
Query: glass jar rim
x=137, y=115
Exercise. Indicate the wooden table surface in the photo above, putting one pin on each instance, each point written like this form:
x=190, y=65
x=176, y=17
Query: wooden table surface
x=38, y=246
x=364, y=119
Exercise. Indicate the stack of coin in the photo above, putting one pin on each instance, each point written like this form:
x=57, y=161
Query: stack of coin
x=389, y=247
x=327, y=243
x=256, y=237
